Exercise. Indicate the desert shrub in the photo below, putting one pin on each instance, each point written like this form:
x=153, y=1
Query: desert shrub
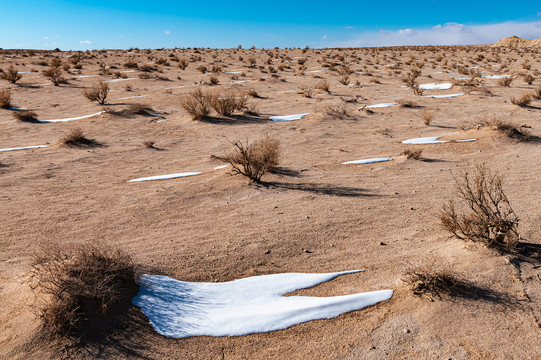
x=253, y=159
x=98, y=92
x=323, y=85
x=407, y=103
x=490, y=219
x=75, y=137
x=11, y=75
x=182, y=64
x=433, y=279
x=528, y=79
x=251, y=61
x=196, y=104
x=412, y=154
x=81, y=284
x=213, y=80
x=508, y=129
x=228, y=102
x=5, y=99
x=130, y=64
x=25, y=116
x=253, y=93
x=202, y=69
x=537, y=93
x=505, y=81
x=336, y=111
x=523, y=101
x=428, y=116
x=344, y=79
x=54, y=72
x=149, y=144
x=147, y=68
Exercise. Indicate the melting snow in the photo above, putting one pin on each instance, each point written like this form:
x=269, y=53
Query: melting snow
x=444, y=96
x=23, y=148
x=366, y=161
x=288, y=117
x=380, y=105
x=165, y=177
x=70, y=119
x=432, y=140
x=246, y=306
x=434, y=86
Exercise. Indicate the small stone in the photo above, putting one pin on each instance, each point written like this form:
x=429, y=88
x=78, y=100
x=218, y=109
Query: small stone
x=406, y=331
x=382, y=243
x=267, y=252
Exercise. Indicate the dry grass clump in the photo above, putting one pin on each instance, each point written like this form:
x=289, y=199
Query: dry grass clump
x=98, y=92
x=431, y=279
x=76, y=138
x=5, y=99
x=131, y=64
x=523, y=101
x=253, y=159
x=213, y=80
x=197, y=104
x=11, y=75
x=182, y=64
x=407, y=103
x=411, y=81
x=484, y=214
x=81, y=284
x=428, y=116
x=136, y=109
x=25, y=116
x=412, y=154
x=508, y=129
x=505, y=81
x=537, y=93
x=228, y=102
x=336, y=111
x=323, y=85
x=54, y=72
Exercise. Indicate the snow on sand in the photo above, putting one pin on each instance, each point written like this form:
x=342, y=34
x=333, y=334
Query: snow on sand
x=251, y=305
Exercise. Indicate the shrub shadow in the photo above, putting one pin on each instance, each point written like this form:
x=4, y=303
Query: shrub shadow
x=319, y=189
x=235, y=120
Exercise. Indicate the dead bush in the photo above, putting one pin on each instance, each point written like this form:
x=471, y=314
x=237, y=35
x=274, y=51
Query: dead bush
x=76, y=138
x=202, y=69
x=344, y=79
x=428, y=116
x=11, y=75
x=336, y=111
x=537, y=93
x=54, y=73
x=25, y=116
x=505, y=81
x=227, y=103
x=431, y=279
x=213, y=80
x=253, y=159
x=489, y=218
x=5, y=99
x=98, y=92
x=196, y=104
x=523, y=101
x=407, y=103
x=80, y=284
x=508, y=129
x=182, y=64
x=528, y=79
x=323, y=85
x=412, y=154
x=131, y=64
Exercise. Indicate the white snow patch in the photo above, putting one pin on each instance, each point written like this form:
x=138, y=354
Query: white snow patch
x=179, y=87
x=288, y=117
x=432, y=140
x=366, y=161
x=444, y=96
x=220, y=167
x=241, y=82
x=117, y=80
x=315, y=71
x=70, y=119
x=165, y=177
x=497, y=76
x=435, y=86
x=17, y=109
x=384, y=105
x=23, y=148
x=85, y=76
x=251, y=305
x=234, y=72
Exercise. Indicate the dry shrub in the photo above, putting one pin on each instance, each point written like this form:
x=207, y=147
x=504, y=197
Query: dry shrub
x=505, y=81
x=433, y=279
x=344, y=79
x=490, y=219
x=196, y=104
x=428, y=116
x=253, y=93
x=508, y=129
x=81, y=284
x=98, y=92
x=412, y=154
x=336, y=111
x=213, y=80
x=537, y=93
x=182, y=64
x=54, y=73
x=130, y=64
x=136, y=109
x=5, y=99
x=11, y=75
x=149, y=144
x=25, y=116
x=523, y=101
x=407, y=103
x=529, y=79
x=202, y=69
x=323, y=85
x=253, y=159
x=76, y=138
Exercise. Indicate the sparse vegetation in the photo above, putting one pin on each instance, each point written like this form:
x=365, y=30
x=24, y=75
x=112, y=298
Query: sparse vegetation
x=54, y=73
x=25, y=116
x=5, y=98
x=523, y=101
x=80, y=284
x=428, y=116
x=505, y=81
x=76, y=138
x=412, y=154
x=98, y=92
x=197, y=104
x=490, y=219
x=431, y=279
x=323, y=85
x=253, y=159
x=11, y=74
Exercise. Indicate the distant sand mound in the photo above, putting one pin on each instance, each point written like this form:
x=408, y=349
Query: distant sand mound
x=517, y=42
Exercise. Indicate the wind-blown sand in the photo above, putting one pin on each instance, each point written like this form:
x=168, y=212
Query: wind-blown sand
x=312, y=215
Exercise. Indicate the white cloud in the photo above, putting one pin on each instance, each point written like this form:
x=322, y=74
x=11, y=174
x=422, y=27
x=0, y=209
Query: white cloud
x=45, y=38
x=87, y=42
x=349, y=27
x=324, y=37
x=167, y=32
x=446, y=34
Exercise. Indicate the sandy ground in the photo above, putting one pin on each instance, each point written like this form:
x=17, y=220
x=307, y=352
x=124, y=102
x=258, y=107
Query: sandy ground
x=315, y=215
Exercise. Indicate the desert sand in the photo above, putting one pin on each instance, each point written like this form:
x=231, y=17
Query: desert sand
x=314, y=215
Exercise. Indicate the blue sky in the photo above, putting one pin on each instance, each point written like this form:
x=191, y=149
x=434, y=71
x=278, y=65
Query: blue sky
x=100, y=24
